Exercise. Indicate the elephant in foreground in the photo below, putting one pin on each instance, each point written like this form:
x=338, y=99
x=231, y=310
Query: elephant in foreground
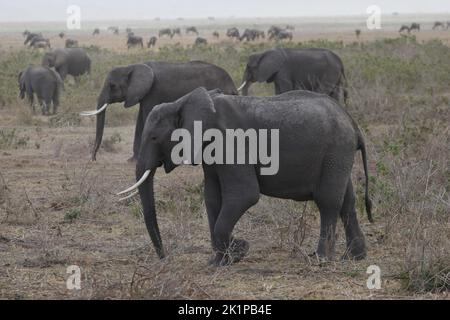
x=318, y=141
x=318, y=70
x=68, y=61
x=45, y=83
x=151, y=83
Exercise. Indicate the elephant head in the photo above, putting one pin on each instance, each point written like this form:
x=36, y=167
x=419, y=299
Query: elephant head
x=49, y=60
x=262, y=67
x=128, y=84
x=156, y=148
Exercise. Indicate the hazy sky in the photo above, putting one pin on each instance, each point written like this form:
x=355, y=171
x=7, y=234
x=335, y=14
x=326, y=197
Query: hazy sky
x=55, y=10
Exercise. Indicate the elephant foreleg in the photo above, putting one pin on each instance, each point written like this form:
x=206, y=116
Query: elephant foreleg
x=240, y=191
x=213, y=197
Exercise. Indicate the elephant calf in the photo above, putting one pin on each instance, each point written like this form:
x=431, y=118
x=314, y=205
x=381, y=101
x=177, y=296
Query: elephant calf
x=68, y=61
x=317, y=142
x=45, y=83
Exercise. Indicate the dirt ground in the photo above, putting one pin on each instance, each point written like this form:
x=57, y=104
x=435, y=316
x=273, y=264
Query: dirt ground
x=60, y=209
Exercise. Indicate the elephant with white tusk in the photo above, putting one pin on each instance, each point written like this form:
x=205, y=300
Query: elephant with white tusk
x=151, y=83
x=317, y=139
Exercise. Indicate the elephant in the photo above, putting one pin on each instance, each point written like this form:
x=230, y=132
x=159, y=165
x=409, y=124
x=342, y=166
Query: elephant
x=70, y=43
x=152, y=42
x=96, y=32
x=165, y=32
x=233, y=33
x=192, y=30
x=284, y=34
x=319, y=141
x=252, y=35
x=414, y=26
x=273, y=32
x=318, y=70
x=151, y=83
x=201, y=41
x=69, y=61
x=61, y=35
x=134, y=41
x=45, y=83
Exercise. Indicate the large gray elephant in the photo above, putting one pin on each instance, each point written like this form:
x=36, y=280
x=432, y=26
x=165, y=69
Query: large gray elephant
x=68, y=61
x=318, y=70
x=318, y=141
x=151, y=83
x=45, y=83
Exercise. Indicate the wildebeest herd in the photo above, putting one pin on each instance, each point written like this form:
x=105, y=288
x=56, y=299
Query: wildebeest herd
x=318, y=138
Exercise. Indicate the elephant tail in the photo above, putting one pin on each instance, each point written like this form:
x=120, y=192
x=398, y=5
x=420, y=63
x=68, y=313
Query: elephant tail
x=368, y=202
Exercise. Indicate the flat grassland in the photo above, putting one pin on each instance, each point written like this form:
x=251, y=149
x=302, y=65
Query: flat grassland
x=57, y=208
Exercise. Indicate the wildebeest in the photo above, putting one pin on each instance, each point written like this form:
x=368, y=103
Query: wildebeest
x=70, y=43
x=134, y=41
x=200, y=41
x=176, y=31
x=284, y=34
x=414, y=26
x=165, y=32
x=233, y=33
x=404, y=28
x=273, y=32
x=96, y=32
x=191, y=30
x=438, y=24
x=152, y=42
x=29, y=36
x=216, y=34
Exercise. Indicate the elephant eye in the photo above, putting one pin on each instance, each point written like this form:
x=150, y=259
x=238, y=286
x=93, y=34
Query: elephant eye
x=153, y=138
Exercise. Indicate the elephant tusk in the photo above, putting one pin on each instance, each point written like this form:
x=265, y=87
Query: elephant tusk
x=95, y=112
x=129, y=197
x=141, y=181
x=242, y=86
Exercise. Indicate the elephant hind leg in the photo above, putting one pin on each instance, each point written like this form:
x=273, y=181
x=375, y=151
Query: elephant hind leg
x=356, y=246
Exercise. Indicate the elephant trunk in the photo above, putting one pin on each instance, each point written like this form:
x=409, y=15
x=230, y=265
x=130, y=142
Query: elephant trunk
x=148, y=204
x=98, y=133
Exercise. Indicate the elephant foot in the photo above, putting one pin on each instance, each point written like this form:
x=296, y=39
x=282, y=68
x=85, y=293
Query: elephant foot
x=355, y=251
x=236, y=252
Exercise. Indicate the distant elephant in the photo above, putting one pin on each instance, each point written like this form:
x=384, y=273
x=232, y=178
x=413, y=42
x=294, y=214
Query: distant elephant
x=249, y=35
x=96, y=32
x=134, y=41
x=192, y=30
x=414, y=26
x=201, y=41
x=233, y=33
x=165, y=32
x=69, y=61
x=319, y=141
x=45, y=83
x=70, y=43
x=61, y=35
x=152, y=83
x=273, y=32
x=318, y=70
x=284, y=34
x=152, y=42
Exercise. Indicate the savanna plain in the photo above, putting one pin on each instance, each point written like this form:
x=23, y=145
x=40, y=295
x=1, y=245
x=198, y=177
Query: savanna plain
x=58, y=208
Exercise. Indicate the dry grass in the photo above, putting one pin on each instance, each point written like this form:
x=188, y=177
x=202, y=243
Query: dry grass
x=58, y=209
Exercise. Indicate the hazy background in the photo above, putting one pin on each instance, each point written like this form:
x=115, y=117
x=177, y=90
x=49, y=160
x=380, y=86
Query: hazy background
x=55, y=10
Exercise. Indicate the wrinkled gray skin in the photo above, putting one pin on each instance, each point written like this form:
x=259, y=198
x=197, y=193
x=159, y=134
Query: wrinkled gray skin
x=69, y=61
x=152, y=83
x=318, y=141
x=45, y=83
x=317, y=70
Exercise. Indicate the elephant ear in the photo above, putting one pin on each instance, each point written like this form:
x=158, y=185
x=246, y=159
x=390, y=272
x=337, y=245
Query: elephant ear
x=140, y=81
x=269, y=64
x=196, y=106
